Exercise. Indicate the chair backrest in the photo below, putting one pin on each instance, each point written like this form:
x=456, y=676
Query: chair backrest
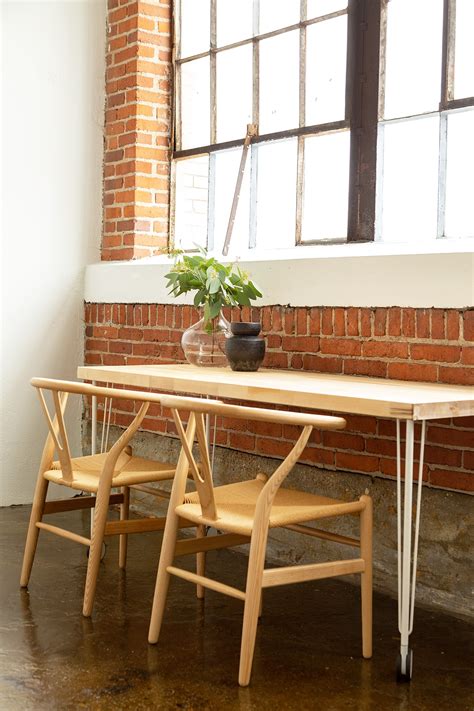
x=58, y=440
x=203, y=475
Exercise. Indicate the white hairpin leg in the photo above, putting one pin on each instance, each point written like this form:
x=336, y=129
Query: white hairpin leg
x=407, y=554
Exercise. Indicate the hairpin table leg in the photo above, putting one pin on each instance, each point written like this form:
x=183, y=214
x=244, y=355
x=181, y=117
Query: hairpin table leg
x=407, y=553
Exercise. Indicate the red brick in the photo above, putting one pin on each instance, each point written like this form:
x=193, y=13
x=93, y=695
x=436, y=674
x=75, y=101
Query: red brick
x=352, y=322
x=365, y=323
x=408, y=322
x=94, y=344
x=372, y=368
x=442, y=354
x=105, y=332
x=120, y=347
x=275, y=360
x=307, y=344
x=394, y=322
x=356, y=462
x=447, y=456
x=296, y=361
x=452, y=325
x=340, y=346
x=384, y=447
x=315, y=321
x=343, y=440
x=301, y=321
x=273, y=341
x=411, y=371
x=289, y=319
x=361, y=423
x=326, y=322
x=267, y=429
x=384, y=349
x=451, y=436
x=380, y=322
x=273, y=447
x=266, y=318
x=320, y=364
x=468, y=460
x=318, y=456
x=437, y=324
x=464, y=422
x=339, y=322
x=423, y=323
x=456, y=375
x=467, y=355
x=468, y=325
x=461, y=481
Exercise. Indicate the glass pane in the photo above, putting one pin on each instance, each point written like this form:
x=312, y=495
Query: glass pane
x=326, y=44
x=326, y=186
x=276, y=194
x=413, y=57
x=195, y=27
x=275, y=14
x=234, y=21
x=464, y=49
x=316, y=8
x=191, y=202
x=195, y=108
x=410, y=180
x=227, y=168
x=279, y=80
x=234, y=92
x=460, y=175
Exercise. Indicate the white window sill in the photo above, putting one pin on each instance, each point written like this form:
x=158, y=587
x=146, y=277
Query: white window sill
x=422, y=275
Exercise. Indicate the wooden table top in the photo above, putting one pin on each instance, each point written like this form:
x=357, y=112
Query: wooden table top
x=337, y=393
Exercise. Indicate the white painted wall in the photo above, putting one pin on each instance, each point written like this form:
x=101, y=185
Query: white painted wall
x=53, y=69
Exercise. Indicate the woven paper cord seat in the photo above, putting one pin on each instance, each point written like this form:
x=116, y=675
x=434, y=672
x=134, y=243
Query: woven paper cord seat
x=235, y=504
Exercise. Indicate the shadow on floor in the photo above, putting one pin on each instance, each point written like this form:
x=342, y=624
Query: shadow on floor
x=308, y=652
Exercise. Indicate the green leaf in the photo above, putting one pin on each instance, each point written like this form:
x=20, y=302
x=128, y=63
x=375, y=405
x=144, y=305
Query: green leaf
x=199, y=297
x=243, y=299
x=214, y=309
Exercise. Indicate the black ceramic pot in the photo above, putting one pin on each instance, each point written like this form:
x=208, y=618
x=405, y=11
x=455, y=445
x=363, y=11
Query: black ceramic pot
x=244, y=349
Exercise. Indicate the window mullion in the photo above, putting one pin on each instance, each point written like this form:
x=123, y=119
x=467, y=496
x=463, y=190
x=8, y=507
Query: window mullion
x=449, y=31
x=255, y=120
x=302, y=122
x=213, y=74
x=365, y=22
x=442, y=164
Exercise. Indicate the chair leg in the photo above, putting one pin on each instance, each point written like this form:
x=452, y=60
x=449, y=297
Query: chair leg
x=95, y=551
x=33, y=532
x=201, y=532
x=253, y=597
x=163, y=577
x=366, y=576
x=123, y=538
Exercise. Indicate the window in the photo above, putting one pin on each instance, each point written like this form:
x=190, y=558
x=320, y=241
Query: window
x=365, y=114
x=425, y=168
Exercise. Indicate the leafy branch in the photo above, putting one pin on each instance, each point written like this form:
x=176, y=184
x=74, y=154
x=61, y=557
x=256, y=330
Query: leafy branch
x=216, y=285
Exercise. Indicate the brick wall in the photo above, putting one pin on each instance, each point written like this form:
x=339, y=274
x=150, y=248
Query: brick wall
x=411, y=344
x=137, y=129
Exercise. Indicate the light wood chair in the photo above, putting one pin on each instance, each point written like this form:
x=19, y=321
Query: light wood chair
x=96, y=474
x=245, y=512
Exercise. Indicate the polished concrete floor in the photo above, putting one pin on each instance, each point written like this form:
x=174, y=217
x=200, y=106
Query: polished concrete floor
x=307, y=654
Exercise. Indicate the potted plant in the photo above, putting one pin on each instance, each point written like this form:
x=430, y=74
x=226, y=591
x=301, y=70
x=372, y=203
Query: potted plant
x=215, y=285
